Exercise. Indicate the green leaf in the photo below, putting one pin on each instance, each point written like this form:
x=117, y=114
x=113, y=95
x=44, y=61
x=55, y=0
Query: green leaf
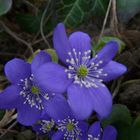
x=100, y=7
x=50, y=51
x=136, y=123
x=28, y=22
x=5, y=6
x=30, y=59
x=127, y=9
x=135, y=130
x=75, y=12
x=53, y=54
x=120, y=117
x=106, y=39
x=124, y=132
x=123, y=112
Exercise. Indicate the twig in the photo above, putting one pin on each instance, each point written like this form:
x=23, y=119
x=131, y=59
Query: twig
x=114, y=25
x=8, y=129
x=113, y=86
x=114, y=21
x=31, y=5
x=41, y=39
x=38, y=33
x=6, y=118
x=41, y=24
x=12, y=131
x=37, y=137
x=117, y=88
x=105, y=19
x=16, y=37
x=136, y=81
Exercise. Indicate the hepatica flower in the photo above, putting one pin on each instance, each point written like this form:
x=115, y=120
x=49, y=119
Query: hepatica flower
x=68, y=127
x=82, y=75
x=97, y=133
x=24, y=93
x=44, y=126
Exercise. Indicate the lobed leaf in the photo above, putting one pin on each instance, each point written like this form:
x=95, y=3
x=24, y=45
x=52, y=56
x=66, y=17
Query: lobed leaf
x=127, y=9
x=106, y=39
x=5, y=6
x=74, y=12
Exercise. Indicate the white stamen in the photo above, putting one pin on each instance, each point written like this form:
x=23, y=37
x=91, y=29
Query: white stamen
x=33, y=99
x=74, y=133
x=94, y=72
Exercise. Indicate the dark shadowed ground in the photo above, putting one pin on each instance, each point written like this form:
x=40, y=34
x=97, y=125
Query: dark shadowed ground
x=22, y=34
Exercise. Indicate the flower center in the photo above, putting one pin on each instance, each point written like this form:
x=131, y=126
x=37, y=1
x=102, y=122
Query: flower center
x=70, y=126
x=34, y=90
x=47, y=125
x=32, y=94
x=82, y=71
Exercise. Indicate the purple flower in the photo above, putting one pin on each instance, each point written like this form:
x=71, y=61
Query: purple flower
x=44, y=126
x=25, y=94
x=97, y=133
x=82, y=75
x=68, y=127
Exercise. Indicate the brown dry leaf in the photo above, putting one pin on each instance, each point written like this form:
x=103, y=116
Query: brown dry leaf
x=6, y=118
